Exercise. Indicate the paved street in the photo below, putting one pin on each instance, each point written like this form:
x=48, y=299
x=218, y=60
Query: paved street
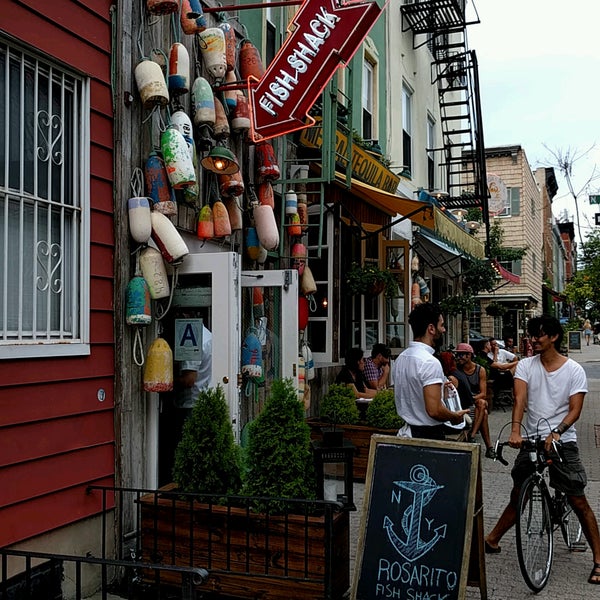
x=570, y=570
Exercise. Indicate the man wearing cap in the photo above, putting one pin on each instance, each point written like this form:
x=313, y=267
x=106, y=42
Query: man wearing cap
x=477, y=379
x=419, y=377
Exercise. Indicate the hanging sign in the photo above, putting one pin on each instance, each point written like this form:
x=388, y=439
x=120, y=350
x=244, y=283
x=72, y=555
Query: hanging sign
x=188, y=339
x=498, y=194
x=322, y=35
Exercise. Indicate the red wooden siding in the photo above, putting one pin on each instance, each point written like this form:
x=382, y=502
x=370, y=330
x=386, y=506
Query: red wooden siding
x=56, y=435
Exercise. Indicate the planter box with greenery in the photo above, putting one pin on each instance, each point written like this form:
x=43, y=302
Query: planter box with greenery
x=381, y=417
x=371, y=280
x=274, y=542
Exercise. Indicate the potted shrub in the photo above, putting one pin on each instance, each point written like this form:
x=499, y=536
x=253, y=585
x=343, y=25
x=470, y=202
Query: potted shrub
x=382, y=413
x=371, y=280
x=338, y=407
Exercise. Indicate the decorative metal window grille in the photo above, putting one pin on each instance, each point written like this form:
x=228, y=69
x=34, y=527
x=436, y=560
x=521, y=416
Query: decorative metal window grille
x=44, y=173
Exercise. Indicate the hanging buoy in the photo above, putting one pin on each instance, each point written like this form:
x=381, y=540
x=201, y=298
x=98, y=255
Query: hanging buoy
x=231, y=95
x=231, y=185
x=240, y=121
x=291, y=203
x=140, y=225
x=235, y=214
x=190, y=194
x=221, y=127
x=212, y=46
x=266, y=163
x=203, y=103
x=162, y=7
x=222, y=226
x=299, y=254
x=252, y=356
x=266, y=195
x=179, y=70
x=250, y=62
x=303, y=216
x=307, y=282
x=182, y=122
x=262, y=256
x=158, y=371
x=258, y=303
x=157, y=186
x=294, y=229
x=138, y=311
x=192, y=17
x=178, y=163
x=154, y=272
x=151, y=84
x=252, y=243
x=206, y=227
x=230, y=44
x=302, y=313
x=309, y=363
x=301, y=378
x=266, y=227
x=415, y=295
x=167, y=238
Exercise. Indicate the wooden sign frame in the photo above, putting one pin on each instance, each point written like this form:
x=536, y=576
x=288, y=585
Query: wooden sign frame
x=431, y=551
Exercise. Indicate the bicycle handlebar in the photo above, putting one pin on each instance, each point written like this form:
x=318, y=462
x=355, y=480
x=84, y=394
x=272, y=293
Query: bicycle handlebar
x=536, y=445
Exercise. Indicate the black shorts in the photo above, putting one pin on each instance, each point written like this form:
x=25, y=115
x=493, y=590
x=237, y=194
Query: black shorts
x=568, y=476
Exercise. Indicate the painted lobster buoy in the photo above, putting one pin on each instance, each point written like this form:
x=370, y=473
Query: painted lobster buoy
x=167, y=238
x=231, y=185
x=301, y=379
x=158, y=370
x=179, y=70
x=240, y=121
x=294, y=228
x=138, y=311
x=303, y=312
x=212, y=47
x=230, y=95
x=303, y=216
x=235, y=214
x=203, y=102
x=252, y=243
x=291, y=203
x=415, y=295
x=162, y=7
x=266, y=227
x=182, y=122
x=221, y=223
x=151, y=84
x=140, y=225
x=262, y=256
x=307, y=282
x=266, y=163
x=258, y=303
x=206, y=227
x=157, y=186
x=192, y=17
x=252, y=356
x=266, y=195
x=230, y=44
x=250, y=62
x=299, y=255
x=309, y=363
x=221, y=127
x=154, y=272
x=178, y=162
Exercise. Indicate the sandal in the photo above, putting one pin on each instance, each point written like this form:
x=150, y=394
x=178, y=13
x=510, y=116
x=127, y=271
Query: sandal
x=594, y=577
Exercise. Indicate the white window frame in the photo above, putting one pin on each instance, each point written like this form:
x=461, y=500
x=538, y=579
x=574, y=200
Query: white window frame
x=51, y=258
x=407, y=127
x=368, y=98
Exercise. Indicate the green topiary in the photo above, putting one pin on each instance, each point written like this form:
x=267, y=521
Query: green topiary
x=381, y=412
x=338, y=405
x=207, y=458
x=278, y=458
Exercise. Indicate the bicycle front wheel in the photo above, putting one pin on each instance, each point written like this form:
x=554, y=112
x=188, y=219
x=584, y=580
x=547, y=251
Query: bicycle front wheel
x=572, y=528
x=534, y=534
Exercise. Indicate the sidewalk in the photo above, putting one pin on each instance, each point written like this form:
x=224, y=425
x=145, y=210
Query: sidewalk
x=570, y=571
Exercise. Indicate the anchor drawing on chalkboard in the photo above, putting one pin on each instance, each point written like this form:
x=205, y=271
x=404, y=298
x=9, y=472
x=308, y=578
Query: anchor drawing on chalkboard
x=423, y=488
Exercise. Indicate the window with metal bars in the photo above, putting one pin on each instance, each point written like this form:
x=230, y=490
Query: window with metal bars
x=44, y=182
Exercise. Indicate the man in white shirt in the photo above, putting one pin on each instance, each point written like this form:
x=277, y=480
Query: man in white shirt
x=419, y=377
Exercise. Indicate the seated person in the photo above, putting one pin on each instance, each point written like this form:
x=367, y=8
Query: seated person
x=377, y=367
x=353, y=376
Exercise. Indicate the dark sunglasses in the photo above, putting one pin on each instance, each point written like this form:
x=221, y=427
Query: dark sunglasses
x=459, y=354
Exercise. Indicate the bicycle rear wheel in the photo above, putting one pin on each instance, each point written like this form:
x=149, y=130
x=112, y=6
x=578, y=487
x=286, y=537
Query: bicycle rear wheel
x=535, y=543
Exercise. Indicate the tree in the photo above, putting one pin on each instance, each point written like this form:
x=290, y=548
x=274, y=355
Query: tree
x=584, y=288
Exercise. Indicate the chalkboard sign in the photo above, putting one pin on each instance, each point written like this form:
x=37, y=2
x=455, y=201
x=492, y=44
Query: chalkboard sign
x=574, y=340
x=415, y=537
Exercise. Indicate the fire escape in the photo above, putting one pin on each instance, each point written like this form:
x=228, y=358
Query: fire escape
x=442, y=25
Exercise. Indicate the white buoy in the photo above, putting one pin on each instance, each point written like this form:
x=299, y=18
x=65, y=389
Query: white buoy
x=179, y=70
x=212, y=46
x=203, y=102
x=167, y=238
x=178, y=162
x=151, y=84
x=266, y=226
x=154, y=272
x=140, y=225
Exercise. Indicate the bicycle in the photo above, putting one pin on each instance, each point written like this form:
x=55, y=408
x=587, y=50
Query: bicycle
x=539, y=514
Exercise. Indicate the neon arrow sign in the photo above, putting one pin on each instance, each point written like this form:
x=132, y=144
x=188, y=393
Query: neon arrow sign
x=322, y=35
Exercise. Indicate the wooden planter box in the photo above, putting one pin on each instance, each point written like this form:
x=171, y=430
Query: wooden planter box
x=250, y=555
x=359, y=435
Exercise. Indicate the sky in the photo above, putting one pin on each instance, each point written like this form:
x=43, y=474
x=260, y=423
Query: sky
x=539, y=69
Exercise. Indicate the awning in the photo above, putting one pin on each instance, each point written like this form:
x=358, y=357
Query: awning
x=437, y=254
x=556, y=296
x=420, y=213
x=504, y=273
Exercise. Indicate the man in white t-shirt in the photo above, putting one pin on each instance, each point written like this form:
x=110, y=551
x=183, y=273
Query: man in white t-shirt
x=419, y=377
x=553, y=388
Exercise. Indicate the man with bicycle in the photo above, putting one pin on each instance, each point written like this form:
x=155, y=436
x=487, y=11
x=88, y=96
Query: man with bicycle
x=552, y=388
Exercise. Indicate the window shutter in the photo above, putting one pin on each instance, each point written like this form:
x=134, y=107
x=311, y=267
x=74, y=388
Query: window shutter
x=515, y=201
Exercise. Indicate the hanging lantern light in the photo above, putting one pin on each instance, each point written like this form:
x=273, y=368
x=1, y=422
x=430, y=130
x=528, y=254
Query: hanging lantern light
x=158, y=371
x=206, y=227
x=151, y=84
x=221, y=128
x=178, y=163
x=266, y=163
x=250, y=62
x=157, y=186
x=240, y=122
x=140, y=226
x=192, y=17
x=167, y=238
x=221, y=160
x=212, y=47
x=179, y=70
x=154, y=272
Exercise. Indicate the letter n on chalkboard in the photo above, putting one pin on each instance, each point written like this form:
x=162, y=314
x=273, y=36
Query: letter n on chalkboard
x=417, y=521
